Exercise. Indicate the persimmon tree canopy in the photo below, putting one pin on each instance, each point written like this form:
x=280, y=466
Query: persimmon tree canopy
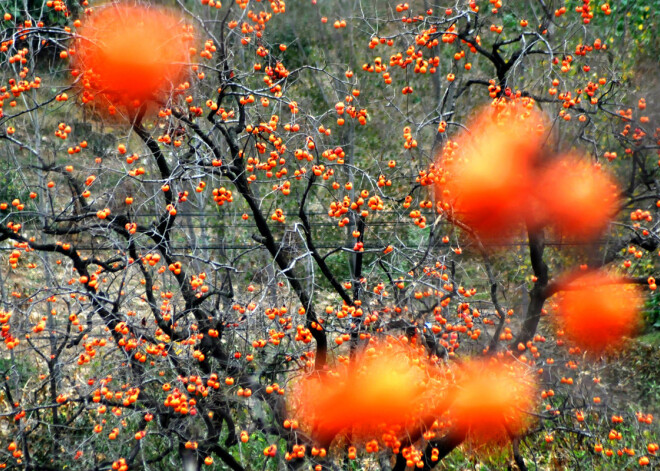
x=326, y=235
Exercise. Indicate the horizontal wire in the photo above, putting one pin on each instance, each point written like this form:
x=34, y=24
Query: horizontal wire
x=328, y=246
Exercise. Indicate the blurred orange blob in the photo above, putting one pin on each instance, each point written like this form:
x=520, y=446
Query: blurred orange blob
x=597, y=310
x=492, y=399
x=486, y=175
x=577, y=198
x=388, y=391
x=130, y=52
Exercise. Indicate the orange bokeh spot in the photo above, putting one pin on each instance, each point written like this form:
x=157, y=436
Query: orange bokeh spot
x=128, y=52
x=598, y=310
x=492, y=400
x=389, y=391
x=486, y=175
x=576, y=198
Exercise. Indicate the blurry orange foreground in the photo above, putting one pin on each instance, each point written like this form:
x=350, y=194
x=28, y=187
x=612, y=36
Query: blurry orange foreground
x=129, y=53
x=487, y=175
x=492, y=400
x=388, y=392
x=598, y=310
x=493, y=179
x=576, y=197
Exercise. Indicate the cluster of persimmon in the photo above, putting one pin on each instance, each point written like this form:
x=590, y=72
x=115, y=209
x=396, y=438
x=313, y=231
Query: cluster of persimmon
x=222, y=195
x=180, y=403
x=418, y=219
x=90, y=351
x=198, y=283
x=120, y=465
x=16, y=89
x=10, y=340
x=130, y=396
x=345, y=107
x=303, y=334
